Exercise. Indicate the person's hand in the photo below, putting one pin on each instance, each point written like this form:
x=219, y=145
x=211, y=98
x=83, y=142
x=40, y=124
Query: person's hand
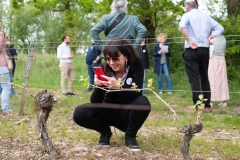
x=70, y=56
x=95, y=61
x=209, y=39
x=97, y=82
x=147, y=70
x=166, y=51
x=193, y=45
x=111, y=83
x=160, y=52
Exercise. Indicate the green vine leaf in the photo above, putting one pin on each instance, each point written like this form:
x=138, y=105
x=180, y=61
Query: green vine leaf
x=85, y=81
x=150, y=83
x=200, y=97
x=134, y=86
x=120, y=82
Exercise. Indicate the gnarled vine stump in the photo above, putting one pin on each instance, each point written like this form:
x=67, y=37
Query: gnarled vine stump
x=45, y=102
x=189, y=131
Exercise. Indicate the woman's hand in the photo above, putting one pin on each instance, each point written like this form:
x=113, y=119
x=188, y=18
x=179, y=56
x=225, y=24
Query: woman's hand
x=97, y=82
x=111, y=83
x=160, y=52
x=166, y=51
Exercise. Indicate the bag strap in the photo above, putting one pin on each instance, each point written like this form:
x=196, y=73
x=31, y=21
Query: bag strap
x=115, y=23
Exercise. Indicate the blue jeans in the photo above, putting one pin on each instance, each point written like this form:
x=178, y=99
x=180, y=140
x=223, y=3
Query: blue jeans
x=164, y=69
x=144, y=80
x=12, y=89
x=6, y=89
x=91, y=72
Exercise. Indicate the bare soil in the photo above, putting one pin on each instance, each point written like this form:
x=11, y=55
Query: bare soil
x=32, y=149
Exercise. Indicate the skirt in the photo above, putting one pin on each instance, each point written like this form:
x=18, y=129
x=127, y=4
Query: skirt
x=217, y=75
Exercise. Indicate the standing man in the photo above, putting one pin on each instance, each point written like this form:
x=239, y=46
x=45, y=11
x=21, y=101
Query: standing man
x=66, y=67
x=119, y=24
x=92, y=60
x=143, y=53
x=196, y=28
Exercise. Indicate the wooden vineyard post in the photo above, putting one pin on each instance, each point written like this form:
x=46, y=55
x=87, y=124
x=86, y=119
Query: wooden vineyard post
x=31, y=51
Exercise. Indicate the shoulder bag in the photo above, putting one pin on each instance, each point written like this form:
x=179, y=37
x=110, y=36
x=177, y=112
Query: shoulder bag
x=115, y=23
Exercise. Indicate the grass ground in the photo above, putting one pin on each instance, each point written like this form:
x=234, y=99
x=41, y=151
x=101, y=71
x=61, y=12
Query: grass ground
x=219, y=138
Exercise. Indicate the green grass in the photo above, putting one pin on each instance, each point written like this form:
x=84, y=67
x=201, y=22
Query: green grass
x=162, y=135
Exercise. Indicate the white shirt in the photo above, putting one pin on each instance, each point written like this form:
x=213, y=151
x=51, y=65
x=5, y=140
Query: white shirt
x=199, y=26
x=63, y=52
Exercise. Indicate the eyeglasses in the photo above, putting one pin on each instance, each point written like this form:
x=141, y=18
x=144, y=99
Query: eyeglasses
x=114, y=59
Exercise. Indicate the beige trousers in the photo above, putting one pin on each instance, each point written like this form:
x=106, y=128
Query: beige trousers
x=67, y=70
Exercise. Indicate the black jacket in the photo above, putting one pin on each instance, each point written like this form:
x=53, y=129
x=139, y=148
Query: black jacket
x=143, y=53
x=122, y=97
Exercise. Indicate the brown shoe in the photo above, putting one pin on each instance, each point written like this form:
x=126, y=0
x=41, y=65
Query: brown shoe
x=207, y=110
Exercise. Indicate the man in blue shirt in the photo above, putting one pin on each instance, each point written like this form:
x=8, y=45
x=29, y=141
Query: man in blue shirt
x=92, y=60
x=196, y=28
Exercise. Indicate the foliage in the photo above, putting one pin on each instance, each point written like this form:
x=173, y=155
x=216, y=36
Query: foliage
x=233, y=48
x=45, y=22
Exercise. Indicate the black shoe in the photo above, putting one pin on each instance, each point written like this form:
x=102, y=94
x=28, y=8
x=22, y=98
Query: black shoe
x=131, y=143
x=71, y=94
x=88, y=89
x=104, y=139
x=65, y=94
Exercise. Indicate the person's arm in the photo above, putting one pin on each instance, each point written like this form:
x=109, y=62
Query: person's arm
x=14, y=53
x=217, y=29
x=2, y=41
x=97, y=59
x=169, y=50
x=147, y=59
x=141, y=32
x=155, y=50
x=185, y=35
x=183, y=25
x=96, y=30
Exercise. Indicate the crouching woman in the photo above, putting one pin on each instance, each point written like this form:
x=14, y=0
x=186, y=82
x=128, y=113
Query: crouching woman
x=125, y=110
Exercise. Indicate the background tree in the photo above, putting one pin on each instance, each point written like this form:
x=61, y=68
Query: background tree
x=45, y=22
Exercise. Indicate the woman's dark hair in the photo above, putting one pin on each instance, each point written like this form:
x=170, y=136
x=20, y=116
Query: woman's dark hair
x=114, y=47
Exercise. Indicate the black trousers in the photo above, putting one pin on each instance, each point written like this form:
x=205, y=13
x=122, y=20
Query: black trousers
x=196, y=66
x=99, y=116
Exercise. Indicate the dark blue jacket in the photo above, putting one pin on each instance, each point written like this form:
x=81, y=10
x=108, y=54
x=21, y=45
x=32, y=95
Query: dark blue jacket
x=157, y=56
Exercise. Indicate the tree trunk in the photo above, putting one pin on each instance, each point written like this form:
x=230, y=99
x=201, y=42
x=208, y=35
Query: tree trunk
x=189, y=131
x=45, y=102
x=233, y=9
